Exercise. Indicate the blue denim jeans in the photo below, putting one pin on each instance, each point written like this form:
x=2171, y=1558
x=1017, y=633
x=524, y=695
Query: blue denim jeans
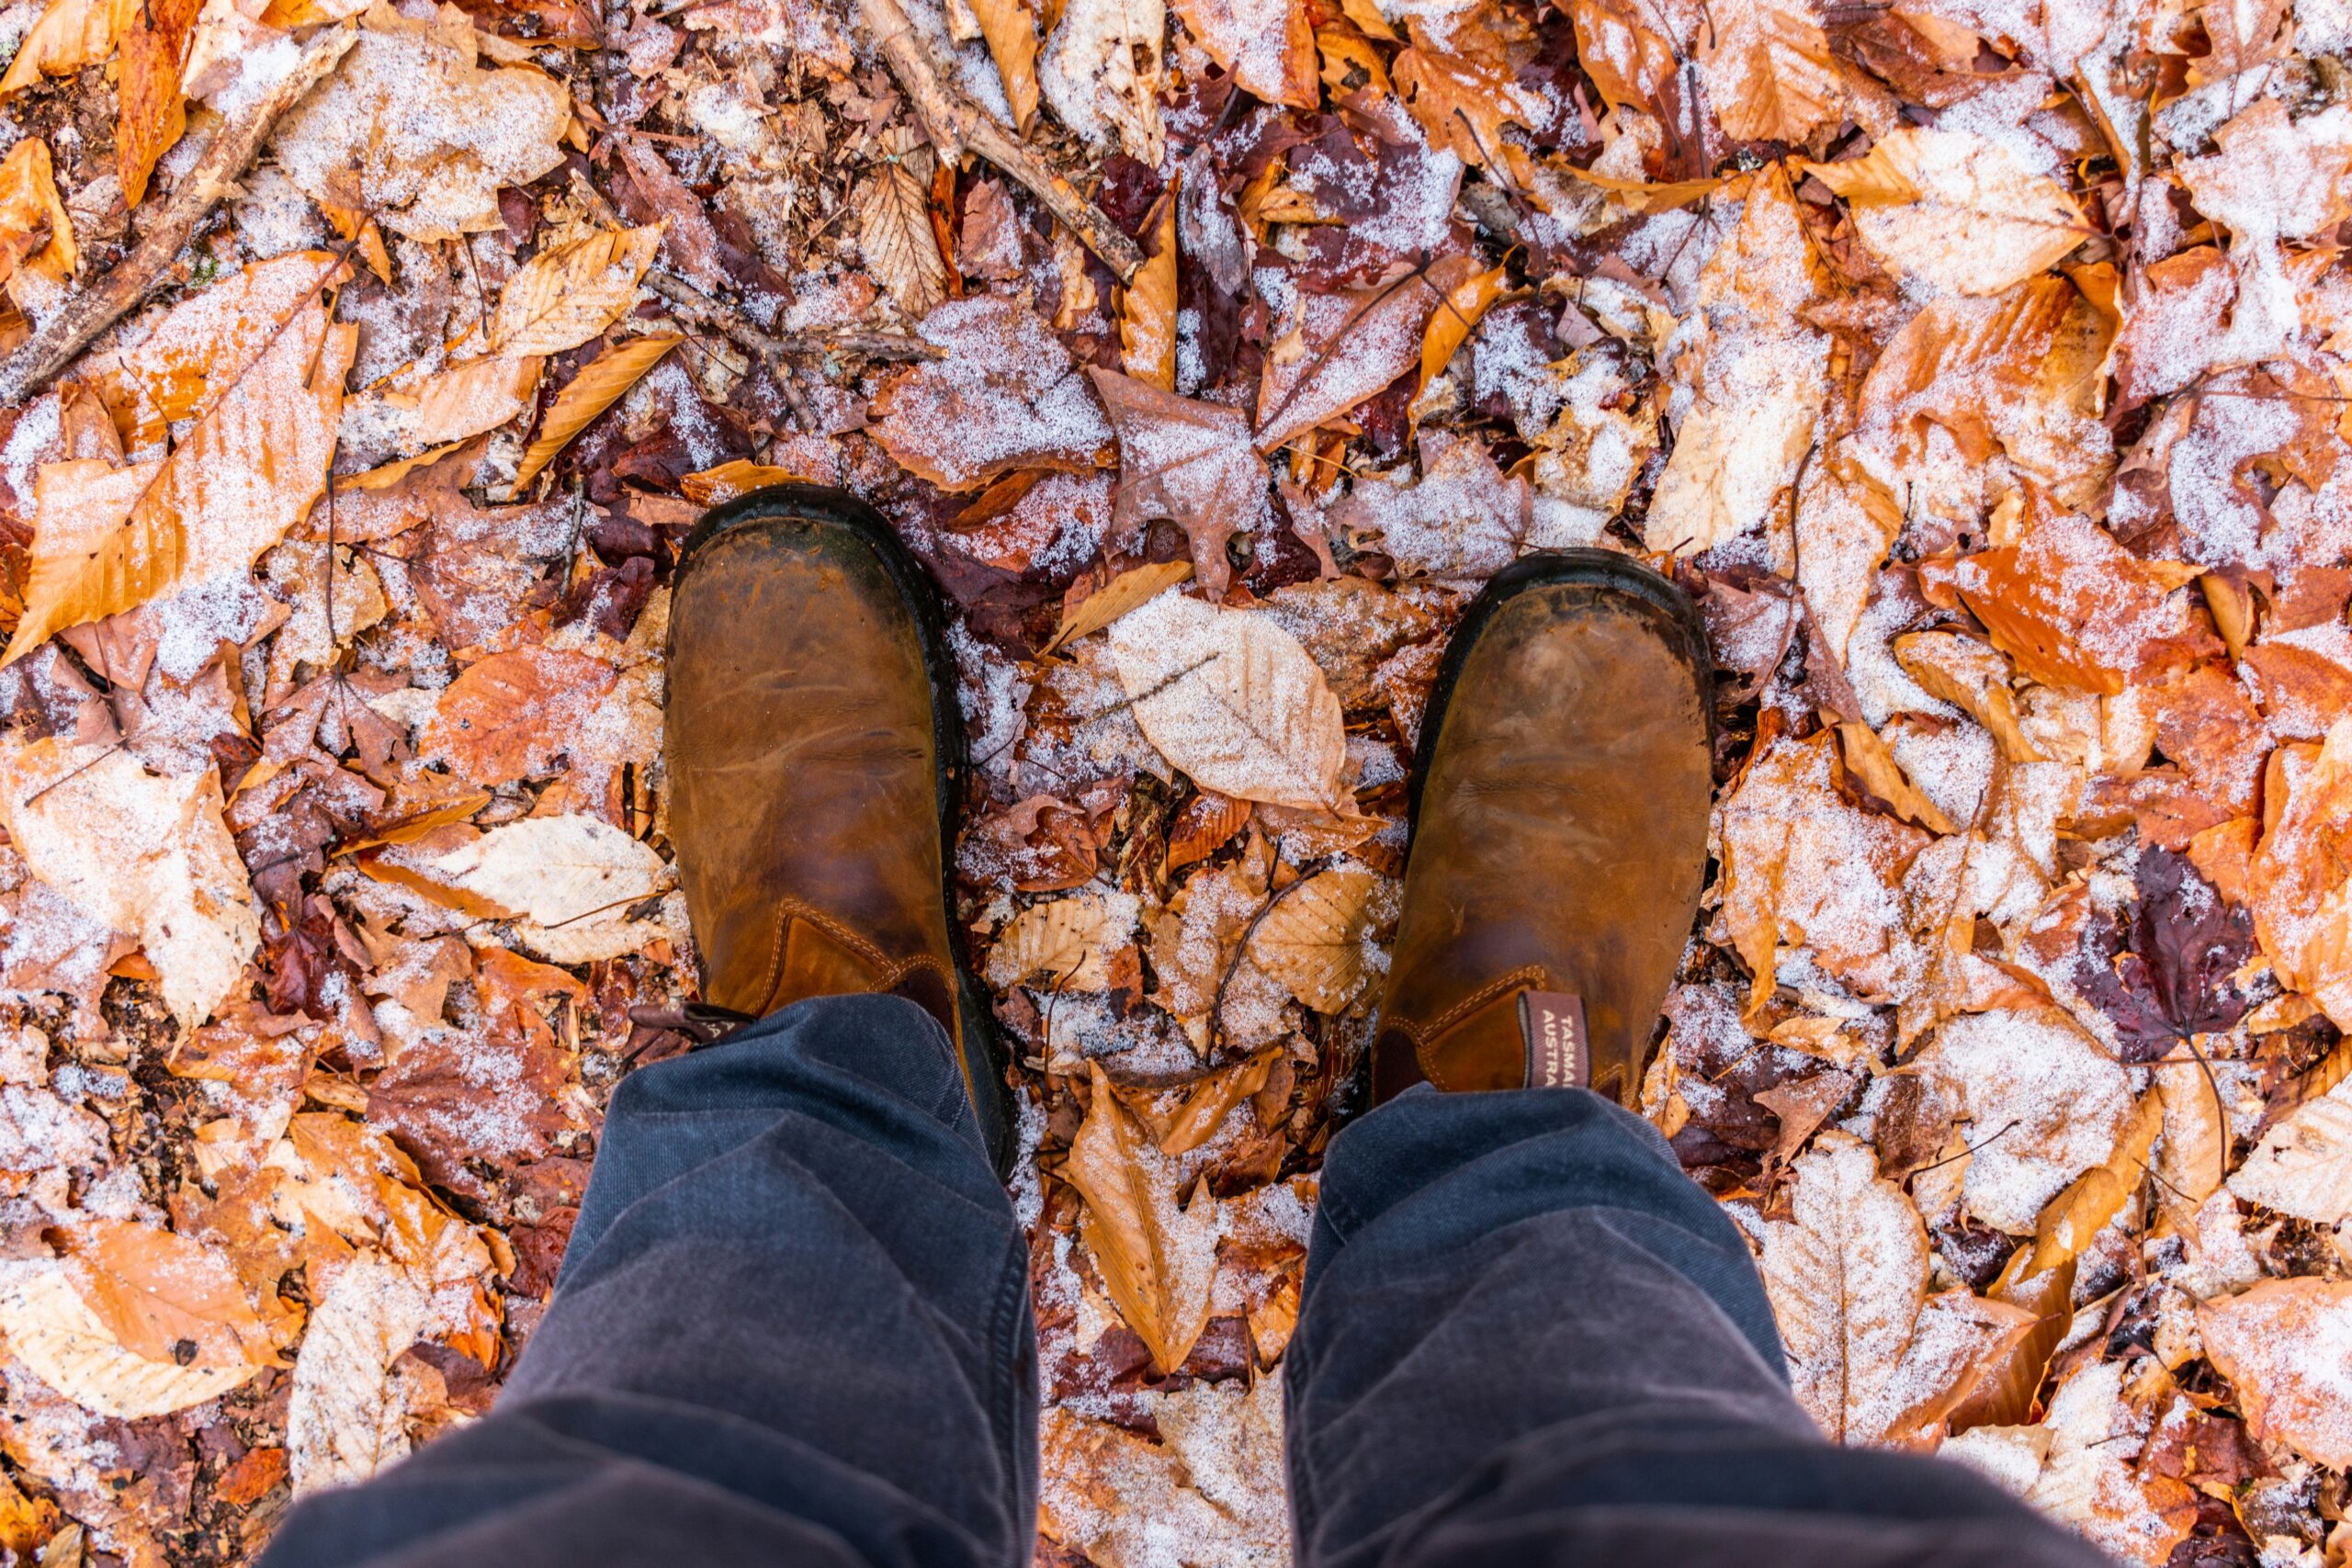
x=794, y=1327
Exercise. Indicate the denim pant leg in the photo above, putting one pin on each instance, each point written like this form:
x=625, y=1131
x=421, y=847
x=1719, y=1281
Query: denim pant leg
x=792, y=1329
x=1526, y=1337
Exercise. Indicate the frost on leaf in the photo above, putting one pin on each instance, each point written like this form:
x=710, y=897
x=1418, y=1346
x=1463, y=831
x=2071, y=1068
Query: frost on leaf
x=1233, y=700
x=2281, y=1345
x=1956, y=209
x=416, y=131
x=1004, y=395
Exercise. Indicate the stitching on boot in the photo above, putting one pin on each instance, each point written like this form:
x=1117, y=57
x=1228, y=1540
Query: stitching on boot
x=893, y=971
x=1425, y=1038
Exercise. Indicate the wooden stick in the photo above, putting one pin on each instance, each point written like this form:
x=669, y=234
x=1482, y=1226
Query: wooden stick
x=957, y=124
x=873, y=342
x=86, y=315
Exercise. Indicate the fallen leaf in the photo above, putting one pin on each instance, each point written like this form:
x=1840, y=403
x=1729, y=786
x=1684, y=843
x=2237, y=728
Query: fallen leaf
x=140, y=853
x=1267, y=45
x=1233, y=700
x=510, y=716
x=1955, y=208
x=564, y=297
x=1465, y=303
x=1101, y=72
x=53, y=1333
x=1351, y=346
x=467, y=399
x=1132, y=587
x=36, y=230
x=69, y=34
x=411, y=130
x=1768, y=70
x=165, y=1298
x=1189, y=461
x=1063, y=944
x=894, y=236
x=728, y=480
x=1158, y=1259
x=598, y=387
x=1148, y=307
x=572, y=882
x=152, y=111
x=1313, y=939
x=1012, y=33
x=1971, y=677
x=1004, y=395
x=2304, y=1164
x=2278, y=1344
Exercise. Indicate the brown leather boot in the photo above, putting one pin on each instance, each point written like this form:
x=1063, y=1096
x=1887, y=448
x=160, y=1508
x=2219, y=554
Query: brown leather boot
x=1559, y=833
x=814, y=747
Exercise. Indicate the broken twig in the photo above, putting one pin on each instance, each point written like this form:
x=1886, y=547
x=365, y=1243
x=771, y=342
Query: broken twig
x=85, y=316
x=956, y=124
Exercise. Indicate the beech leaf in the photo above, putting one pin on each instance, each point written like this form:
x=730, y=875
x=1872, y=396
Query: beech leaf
x=597, y=388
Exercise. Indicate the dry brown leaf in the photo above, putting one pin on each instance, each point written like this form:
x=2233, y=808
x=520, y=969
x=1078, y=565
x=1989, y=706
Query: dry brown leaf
x=1233, y=700
x=36, y=230
x=411, y=130
x=1350, y=345
x=565, y=296
x=1011, y=30
x=165, y=1298
x=1869, y=761
x=467, y=399
x=1768, y=70
x=510, y=716
x=145, y=856
x=55, y=1335
x=1189, y=461
x=1148, y=307
x=2076, y=610
x=2280, y=1346
x=246, y=471
x=2297, y=887
x=1462, y=102
x=1136, y=586
x=597, y=388
x=1956, y=209
x=1971, y=677
x=575, y=884
x=70, y=34
x=2304, y=1164
x=152, y=112
x=1313, y=939
x=2193, y=1154
x=1064, y=944
x=895, y=237
x=735, y=478
x=1847, y=1275
x=1004, y=394
x=1464, y=304
x=1158, y=1259
x=1621, y=50
x=1210, y=1101
x=1268, y=45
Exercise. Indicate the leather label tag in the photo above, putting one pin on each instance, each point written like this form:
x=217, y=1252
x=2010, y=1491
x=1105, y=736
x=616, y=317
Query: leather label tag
x=1559, y=1051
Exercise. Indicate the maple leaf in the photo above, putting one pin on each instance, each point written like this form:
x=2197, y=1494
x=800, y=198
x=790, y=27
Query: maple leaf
x=1191, y=462
x=1231, y=698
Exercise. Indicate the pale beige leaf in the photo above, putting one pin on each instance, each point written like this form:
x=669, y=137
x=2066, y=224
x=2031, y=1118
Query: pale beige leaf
x=2276, y=176
x=344, y=1422
x=2193, y=1156
x=1313, y=940
x=1731, y=463
x=2282, y=1345
x=144, y=854
x=2304, y=1164
x=1956, y=209
x=1138, y=585
x=573, y=881
x=895, y=237
x=1011, y=30
x=2088, y=1478
x=1102, y=70
x=1064, y=944
x=466, y=400
x=1847, y=1277
x=565, y=296
x=1158, y=1259
x=55, y=1335
x=1768, y=68
x=412, y=128
x=590, y=393
x=1148, y=308
x=1233, y=700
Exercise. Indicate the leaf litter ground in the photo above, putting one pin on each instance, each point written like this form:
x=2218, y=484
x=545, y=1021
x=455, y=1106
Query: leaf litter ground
x=1979, y=367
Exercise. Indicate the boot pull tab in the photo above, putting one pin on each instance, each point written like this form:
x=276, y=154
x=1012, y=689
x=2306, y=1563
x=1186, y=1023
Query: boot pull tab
x=1559, y=1049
